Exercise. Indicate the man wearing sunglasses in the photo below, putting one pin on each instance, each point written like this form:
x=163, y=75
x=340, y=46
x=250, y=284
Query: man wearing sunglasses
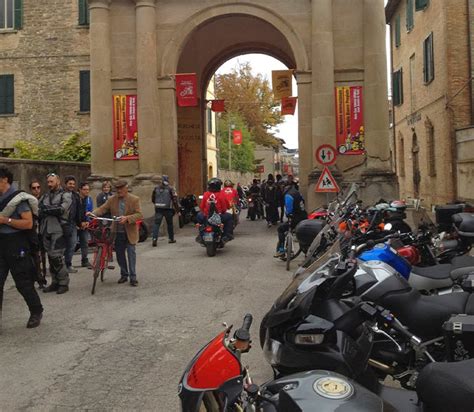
x=54, y=209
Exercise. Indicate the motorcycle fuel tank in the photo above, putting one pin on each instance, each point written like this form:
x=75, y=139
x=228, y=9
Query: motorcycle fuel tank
x=384, y=253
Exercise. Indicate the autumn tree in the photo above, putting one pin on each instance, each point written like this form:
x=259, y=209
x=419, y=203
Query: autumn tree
x=252, y=98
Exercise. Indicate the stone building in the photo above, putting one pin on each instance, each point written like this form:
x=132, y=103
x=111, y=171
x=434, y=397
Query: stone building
x=432, y=98
x=135, y=48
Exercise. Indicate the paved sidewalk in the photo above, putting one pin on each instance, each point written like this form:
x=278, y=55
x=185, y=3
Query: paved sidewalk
x=125, y=348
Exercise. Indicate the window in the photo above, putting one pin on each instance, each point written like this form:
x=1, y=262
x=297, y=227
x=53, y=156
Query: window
x=398, y=87
x=7, y=94
x=83, y=13
x=430, y=146
x=398, y=38
x=428, y=59
x=421, y=4
x=401, y=156
x=209, y=121
x=412, y=83
x=11, y=14
x=410, y=16
x=85, y=91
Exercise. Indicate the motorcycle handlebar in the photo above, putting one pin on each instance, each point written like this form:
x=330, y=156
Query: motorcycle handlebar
x=396, y=324
x=243, y=333
x=248, y=319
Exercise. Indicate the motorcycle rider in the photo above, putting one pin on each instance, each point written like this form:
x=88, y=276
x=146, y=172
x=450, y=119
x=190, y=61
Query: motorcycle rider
x=214, y=194
x=230, y=193
x=295, y=212
x=165, y=199
x=255, y=192
x=270, y=197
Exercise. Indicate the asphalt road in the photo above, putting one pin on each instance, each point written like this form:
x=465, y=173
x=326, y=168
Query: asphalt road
x=125, y=348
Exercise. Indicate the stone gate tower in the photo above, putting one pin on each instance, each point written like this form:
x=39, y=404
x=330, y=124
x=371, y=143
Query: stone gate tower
x=137, y=46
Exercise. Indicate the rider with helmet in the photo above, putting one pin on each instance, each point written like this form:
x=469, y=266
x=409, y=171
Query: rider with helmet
x=216, y=196
x=230, y=193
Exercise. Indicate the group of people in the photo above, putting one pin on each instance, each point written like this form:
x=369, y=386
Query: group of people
x=49, y=224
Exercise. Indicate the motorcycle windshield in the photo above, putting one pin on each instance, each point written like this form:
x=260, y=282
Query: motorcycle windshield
x=312, y=277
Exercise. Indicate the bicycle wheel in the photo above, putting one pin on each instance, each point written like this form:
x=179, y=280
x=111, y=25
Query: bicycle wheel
x=102, y=275
x=289, y=249
x=96, y=267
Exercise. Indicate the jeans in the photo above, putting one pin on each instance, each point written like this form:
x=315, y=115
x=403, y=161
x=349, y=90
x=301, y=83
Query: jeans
x=282, y=231
x=71, y=242
x=227, y=221
x=121, y=246
x=159, y=215
x=84, y=241
x=21, y=267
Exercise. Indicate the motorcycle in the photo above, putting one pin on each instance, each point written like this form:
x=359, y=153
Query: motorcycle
x=255, y=207
x=211, y=233
x=216, y=381
x=189, y=210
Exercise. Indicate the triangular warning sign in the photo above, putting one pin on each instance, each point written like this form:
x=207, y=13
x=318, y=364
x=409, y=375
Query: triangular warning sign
x=326, y=182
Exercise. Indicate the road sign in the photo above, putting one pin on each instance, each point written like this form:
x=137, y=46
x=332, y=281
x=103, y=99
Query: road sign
x=326, y=155
x=326, y=182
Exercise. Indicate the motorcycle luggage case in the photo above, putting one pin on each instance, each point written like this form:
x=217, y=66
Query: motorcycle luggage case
x=444, y=215
x=459, y=337
x=464, y=223
x=307, y=230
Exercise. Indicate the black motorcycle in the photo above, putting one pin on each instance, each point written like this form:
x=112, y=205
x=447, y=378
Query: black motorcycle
x=211, y=234
x=188, y=209
x=255, y=207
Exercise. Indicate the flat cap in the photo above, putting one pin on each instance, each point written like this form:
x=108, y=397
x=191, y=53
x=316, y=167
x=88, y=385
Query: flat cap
x=120, y=183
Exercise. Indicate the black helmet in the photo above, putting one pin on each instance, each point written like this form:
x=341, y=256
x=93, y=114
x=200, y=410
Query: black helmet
x=214, y=185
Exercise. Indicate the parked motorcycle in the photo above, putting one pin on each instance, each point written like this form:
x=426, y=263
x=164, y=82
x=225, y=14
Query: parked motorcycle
x=189, y=209
x=216, y=381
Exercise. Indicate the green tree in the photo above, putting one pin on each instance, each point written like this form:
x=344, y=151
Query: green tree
x=252, y=97
x=72, y=148
x=243, y=154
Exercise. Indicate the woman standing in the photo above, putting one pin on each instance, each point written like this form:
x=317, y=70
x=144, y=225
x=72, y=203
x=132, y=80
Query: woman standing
x=105, y=194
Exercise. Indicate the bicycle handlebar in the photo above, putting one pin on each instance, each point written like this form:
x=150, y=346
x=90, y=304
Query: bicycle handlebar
x=106, y=219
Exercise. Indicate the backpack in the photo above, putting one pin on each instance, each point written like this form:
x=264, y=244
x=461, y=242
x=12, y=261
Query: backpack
x=163, y=198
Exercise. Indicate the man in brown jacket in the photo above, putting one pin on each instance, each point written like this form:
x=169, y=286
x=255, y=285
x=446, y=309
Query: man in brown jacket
x=127, y=207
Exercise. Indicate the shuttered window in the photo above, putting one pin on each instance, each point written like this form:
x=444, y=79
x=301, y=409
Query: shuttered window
x=11, y=14
x=398, y=87
x=83, y=13
x=398, y=34
x=421, y=4
x=209, y=121
x=85, y=91
x=7, y=94
x=410, y=19
x=428, y=59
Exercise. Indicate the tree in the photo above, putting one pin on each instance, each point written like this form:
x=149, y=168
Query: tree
x=252, y=97
x=243, y=154
x=72, y=148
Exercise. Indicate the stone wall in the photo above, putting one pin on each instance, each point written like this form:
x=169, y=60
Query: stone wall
x=45, y=57
x=26, y=170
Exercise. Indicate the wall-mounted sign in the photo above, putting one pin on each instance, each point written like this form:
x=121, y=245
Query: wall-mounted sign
x=186, y=90
x=237, y=136
x=282, y=83
x=288, y=105
x=326, y=155
x=350, y=134
x=125, y=127
x=326, y=182
x=260, y=169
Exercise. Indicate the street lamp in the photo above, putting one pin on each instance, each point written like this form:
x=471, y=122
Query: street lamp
x=231, y=127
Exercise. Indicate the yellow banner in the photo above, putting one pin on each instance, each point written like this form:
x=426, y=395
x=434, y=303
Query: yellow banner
x=282, y=83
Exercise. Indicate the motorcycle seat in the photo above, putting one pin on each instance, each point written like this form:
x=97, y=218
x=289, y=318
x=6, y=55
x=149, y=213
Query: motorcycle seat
x=425, y=315
x=434, y=272
x=463, y=261
x=447, y=386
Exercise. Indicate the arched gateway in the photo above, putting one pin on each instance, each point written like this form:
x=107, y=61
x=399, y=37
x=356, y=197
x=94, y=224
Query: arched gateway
x=137, y=46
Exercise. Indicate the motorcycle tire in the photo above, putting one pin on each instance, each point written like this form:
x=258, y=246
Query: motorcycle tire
x=263, y=331
x=211, y=249
x=181, y=221
x=252, y=214
x=143, y=232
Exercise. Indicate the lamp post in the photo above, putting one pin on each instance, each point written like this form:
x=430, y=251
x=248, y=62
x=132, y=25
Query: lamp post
x=231, y=127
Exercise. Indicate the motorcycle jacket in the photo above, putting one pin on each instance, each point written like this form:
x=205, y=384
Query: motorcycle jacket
x=222, y=204
x=163, y=197
x=231, y=195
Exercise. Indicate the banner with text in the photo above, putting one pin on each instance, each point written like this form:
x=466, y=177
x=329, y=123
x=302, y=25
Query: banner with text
x=186, y=90
x=350, y=136
x=282, y=83
x=125, y=127
x=237, y=136
x=288, y=105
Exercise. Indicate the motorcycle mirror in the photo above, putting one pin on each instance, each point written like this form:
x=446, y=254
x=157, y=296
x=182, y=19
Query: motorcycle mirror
x=387, y=226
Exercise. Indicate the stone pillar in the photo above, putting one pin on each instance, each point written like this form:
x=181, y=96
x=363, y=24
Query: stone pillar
x=305, y=143
x=375, y=87
x=101, y=90
x=147, y=88
x=322, y=65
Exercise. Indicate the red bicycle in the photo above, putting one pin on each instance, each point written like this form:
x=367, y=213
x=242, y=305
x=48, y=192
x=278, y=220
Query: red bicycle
x=102, y=231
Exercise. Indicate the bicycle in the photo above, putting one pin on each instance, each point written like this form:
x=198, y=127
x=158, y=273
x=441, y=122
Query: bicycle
x=103, y=237
x=289, y=255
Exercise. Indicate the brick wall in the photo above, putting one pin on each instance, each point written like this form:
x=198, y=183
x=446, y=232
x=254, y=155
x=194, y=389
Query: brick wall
x=45, y=56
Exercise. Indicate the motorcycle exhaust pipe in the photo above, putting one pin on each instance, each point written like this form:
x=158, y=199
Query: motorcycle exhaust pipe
x=381, y=366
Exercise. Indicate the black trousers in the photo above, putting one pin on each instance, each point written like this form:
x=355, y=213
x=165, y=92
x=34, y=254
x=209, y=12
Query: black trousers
x=15, y=257
x=159, y=215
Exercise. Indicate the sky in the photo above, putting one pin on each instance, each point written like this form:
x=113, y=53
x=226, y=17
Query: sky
x=264, y=65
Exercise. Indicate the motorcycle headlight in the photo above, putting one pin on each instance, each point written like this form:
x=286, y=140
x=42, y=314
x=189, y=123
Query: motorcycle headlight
x=309, y=339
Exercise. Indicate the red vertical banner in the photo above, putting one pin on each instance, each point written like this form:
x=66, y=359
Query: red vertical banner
x=218, y=106
x=350, y=136
x=237, y=136
x=288, y=105
x=186, y=90
x=125, y=127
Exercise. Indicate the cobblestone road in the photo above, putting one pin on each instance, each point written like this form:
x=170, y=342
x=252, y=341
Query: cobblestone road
x=125, y=348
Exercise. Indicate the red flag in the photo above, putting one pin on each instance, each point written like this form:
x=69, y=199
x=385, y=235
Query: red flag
x=186, y=90
x=288, y=105
x=218, y=106
x=237, y=135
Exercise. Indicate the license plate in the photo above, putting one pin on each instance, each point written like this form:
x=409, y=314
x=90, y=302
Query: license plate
x=251, y=204
x=208, y=237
